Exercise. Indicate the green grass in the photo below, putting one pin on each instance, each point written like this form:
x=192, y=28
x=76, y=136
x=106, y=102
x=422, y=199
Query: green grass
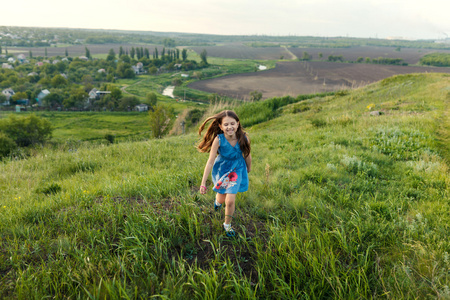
x=72, y=127
x=341, y=205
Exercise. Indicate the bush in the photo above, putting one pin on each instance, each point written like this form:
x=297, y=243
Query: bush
x=7, y=145
x=110, y=138
x=26, y=131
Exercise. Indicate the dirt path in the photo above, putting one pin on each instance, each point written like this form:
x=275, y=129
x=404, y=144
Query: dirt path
x=123, y=89
x=293, y=56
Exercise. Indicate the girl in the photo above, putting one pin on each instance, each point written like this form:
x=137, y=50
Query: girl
x=230, y=168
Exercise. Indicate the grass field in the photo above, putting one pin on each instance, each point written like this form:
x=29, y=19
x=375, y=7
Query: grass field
x=342, y=205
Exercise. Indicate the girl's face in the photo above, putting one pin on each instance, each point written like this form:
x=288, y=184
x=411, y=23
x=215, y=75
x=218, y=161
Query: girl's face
x=229, y=126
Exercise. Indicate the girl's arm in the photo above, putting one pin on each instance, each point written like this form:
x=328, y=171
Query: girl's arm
x=209, y=164
x=248, y=161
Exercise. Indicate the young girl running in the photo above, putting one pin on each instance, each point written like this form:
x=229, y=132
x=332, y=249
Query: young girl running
x=226, y=139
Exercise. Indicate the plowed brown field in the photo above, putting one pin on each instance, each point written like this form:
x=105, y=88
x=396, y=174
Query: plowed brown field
x=294, y=78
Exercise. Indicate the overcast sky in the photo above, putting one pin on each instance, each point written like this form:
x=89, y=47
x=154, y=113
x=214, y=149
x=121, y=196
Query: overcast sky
x=412, y=19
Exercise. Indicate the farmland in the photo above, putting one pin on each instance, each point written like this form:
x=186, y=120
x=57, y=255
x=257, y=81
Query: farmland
x=240, y=51
x=294, y=78
x=409, y=55
x=76, y=50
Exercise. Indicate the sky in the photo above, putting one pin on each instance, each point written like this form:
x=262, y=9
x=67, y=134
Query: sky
x=409, y=19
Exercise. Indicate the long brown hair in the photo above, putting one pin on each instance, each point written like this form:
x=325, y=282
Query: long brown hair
x=214, y=130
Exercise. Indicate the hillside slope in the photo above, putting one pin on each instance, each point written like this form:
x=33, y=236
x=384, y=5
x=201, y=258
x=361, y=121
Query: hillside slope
x=341, y=204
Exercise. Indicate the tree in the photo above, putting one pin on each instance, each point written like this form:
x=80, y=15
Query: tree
x=306, y=56
x=125, y=59
x=127, y=103
x=184, y=54
x=26, y=131
x=168, y=42
x=77, y=98
x=159, y=120
x=19, y=96
x=120, y=51
x=3, y=98
x=255, y=96
x=176, y=82
x=132, y=52
x=124, y=70
x=7, y=145
x=147, y=53
x=88, y=53
x=203, y=56
x=30, y=54
x=153, y=70
x=320, y=55
x=111, y=55
x=52, y=100
x=116, y=93
x=360, y=59
x=67, y=52
x=156, y=53
x=58, y=81
x=151, y=99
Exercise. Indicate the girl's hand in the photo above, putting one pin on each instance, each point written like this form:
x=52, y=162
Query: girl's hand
x=203, y=189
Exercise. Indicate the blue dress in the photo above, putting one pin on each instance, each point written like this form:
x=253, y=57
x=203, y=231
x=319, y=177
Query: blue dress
x=229, y=173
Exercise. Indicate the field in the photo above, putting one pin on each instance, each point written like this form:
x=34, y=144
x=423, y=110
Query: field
x=294, y=78
x=409, y=55
x=342, y=205
x=77, y=50
x=74, y=127
x=240, y=51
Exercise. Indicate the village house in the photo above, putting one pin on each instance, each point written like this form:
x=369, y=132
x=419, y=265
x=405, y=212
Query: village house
x=139, y=68
x=22, y=58
x=95, y=94
x=8, y=93
x=7, y=66
x=141, y=107
x=41, y=96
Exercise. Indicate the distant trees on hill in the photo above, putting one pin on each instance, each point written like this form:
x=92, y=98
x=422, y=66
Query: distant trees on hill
x=436, y=59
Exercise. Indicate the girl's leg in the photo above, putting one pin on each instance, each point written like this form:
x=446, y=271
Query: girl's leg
x=220, y=198
x=229, y=207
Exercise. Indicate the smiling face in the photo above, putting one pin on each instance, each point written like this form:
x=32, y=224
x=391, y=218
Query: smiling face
x=229, y=126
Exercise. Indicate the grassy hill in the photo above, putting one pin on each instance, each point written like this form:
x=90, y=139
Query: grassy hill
x=341, y=204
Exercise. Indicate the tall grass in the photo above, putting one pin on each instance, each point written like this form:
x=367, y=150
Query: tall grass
x=355, y=208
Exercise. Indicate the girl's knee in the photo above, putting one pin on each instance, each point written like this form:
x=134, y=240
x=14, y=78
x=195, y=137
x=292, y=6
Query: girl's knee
x=230, y=199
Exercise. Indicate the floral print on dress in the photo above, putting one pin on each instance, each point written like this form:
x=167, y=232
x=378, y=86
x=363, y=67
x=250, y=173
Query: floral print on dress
x=227, y=180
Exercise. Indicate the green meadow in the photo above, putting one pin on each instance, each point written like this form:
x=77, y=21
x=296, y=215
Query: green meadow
x=342, y=205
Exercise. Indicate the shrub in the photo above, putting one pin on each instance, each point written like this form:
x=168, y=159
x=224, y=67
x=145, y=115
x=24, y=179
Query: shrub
x=26, y=131
x=7, y=145
x=50, y=189
x=317, y=122
x=110, y=138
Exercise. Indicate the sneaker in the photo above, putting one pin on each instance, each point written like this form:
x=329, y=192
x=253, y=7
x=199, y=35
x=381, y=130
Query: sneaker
x=230, y=232
x=216, y=207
